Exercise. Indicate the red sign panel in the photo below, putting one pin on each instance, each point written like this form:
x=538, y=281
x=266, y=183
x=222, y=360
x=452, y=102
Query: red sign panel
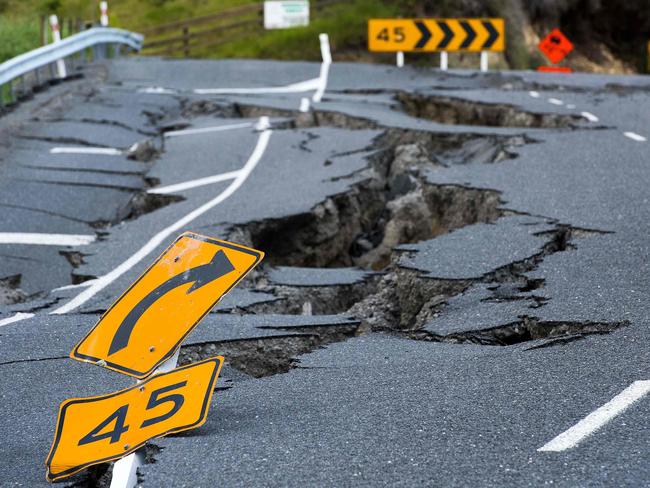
x=555, y=46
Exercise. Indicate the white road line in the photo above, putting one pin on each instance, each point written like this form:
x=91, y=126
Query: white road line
x=16, y=318
x=555, y=101
x=104, y=151
x=324, y=67
x=157, y=90
x=153, y=243
x=304, y=104
x=589, y=116
x=534, y=94
x=208, y=180
x=203, y=130
x=598, y=418
x=570, y=106
x=46, y=239
x=299, y=87
x=78, y=285
x=634, y=136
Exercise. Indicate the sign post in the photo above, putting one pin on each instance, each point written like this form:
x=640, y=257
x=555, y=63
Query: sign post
x=437, y=35
x=140, y=335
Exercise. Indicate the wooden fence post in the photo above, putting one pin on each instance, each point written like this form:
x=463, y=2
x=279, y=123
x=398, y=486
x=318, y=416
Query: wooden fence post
x=186, y=41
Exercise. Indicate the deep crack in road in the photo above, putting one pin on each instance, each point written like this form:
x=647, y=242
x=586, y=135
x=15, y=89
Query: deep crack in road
x=411, y=220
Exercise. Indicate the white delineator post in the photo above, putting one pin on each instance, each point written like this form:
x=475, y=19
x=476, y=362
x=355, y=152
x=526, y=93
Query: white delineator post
x=56, y=37
x=324, y=67
x=399, y=61
x=103, y=18
x=484, y=60
x=125, y=470
x=444, y=60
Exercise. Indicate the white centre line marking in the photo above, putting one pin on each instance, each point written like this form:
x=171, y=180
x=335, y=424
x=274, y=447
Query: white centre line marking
x=555, y=101
x=153, y=243
x=634, y=136
x=45, y=239
x=589, y=116
x=104, y=151
x=158, y=90
x=16, y=318
x=324, y=67
x=208, y=180
x=203, y=130
x=71, y=287
x=598, y=418
x=534, y=94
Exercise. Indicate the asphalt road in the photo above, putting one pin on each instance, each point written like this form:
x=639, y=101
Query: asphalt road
x=457, y=268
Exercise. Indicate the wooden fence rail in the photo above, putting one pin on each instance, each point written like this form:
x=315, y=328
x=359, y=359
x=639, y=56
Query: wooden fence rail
x=183, y=36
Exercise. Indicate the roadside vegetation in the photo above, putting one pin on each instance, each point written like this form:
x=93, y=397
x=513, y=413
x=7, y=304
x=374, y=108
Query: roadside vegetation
x=604, y=40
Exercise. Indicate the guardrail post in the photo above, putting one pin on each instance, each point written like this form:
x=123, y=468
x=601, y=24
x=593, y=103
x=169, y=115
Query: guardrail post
x=56, y=37
x=186, y=41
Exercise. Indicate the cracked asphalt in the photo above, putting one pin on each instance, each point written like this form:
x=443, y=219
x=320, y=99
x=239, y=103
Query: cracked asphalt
x=456, y=271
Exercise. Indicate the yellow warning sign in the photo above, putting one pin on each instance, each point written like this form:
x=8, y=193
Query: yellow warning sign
x=104, y=428
x=428, y=35
x=146, y=325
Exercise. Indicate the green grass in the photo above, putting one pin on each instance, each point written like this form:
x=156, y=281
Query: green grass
x=345, y=23
x=17, y=35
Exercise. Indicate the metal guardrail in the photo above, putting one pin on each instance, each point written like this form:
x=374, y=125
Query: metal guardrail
x=32, y=61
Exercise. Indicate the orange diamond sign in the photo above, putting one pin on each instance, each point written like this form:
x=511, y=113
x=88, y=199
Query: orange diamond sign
x=555, y=46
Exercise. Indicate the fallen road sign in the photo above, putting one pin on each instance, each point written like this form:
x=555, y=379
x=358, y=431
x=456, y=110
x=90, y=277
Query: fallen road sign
x=555, y=46
x=146, y=325
x=430, y=35
x=107, y=427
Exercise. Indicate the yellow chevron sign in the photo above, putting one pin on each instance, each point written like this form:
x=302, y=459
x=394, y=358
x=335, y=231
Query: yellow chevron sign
x=428, y=35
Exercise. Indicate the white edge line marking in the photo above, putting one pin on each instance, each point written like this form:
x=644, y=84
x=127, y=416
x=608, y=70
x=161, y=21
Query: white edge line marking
x=16, y=318
x=555, y=101
x=598, y=418
x=534, y=94
x=301, y=86
x=46, y=239
x=589, y=116
x=151, y=245
x=208, y=180
x=105, y=151
x=203, y=130
x=304, y=104
x=324, y=67
x=634, y=136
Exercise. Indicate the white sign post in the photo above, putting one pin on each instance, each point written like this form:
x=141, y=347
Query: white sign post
x=285, y=14
x=56, y=37
x=103, y=18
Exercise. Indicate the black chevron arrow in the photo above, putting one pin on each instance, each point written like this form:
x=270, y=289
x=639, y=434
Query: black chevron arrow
x=449, y=34
x=426, y=34
x=200, y=276
x=494, y=34
x=471, y=34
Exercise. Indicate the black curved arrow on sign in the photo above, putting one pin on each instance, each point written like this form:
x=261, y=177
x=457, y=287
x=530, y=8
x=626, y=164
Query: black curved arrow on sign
x=449, y=34
x=494, y=34
x=471, y=34
x=200, y=276
x=426, y=34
